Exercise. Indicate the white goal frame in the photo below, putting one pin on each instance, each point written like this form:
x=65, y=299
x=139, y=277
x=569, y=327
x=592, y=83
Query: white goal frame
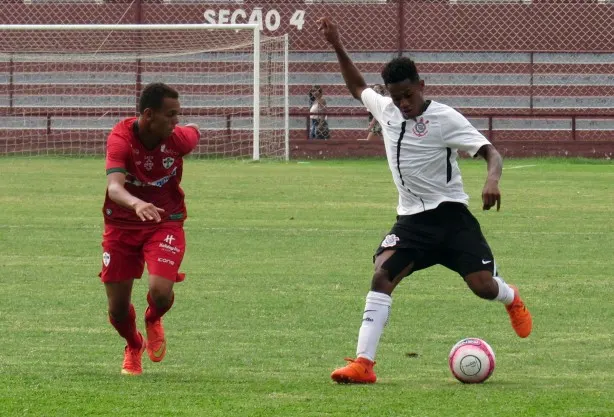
x=254, y=27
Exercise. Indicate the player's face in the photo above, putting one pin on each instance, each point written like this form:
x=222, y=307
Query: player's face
x=408, y=97
x=163, y=121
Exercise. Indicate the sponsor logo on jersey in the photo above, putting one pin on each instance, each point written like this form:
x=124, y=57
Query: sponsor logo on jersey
x=421, y=127
x=390, y=241
x=169, y=248
x=131, y=179
x=166, y=261
x=166, y=150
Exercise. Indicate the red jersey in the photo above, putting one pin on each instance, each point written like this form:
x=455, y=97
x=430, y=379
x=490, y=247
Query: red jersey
x=151, y=175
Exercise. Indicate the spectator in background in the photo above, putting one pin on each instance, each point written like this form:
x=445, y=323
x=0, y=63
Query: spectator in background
x=374, y=128
x=319, y=123
x=311, y=97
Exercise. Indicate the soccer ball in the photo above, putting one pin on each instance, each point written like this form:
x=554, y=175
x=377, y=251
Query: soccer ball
x=471, y=360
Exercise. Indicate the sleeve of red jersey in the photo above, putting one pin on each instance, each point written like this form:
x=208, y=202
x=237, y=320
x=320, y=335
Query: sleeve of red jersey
x=188, y=138
x=118, y=152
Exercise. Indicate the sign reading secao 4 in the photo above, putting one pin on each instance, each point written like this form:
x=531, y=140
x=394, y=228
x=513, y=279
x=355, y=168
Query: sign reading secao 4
x=271, y=19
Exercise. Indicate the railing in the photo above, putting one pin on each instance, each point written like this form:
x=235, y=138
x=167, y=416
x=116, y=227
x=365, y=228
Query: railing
x=489, y=132
x=489, y=115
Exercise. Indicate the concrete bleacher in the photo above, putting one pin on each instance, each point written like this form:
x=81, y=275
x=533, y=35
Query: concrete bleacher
x=509, y=96
x=540, y=103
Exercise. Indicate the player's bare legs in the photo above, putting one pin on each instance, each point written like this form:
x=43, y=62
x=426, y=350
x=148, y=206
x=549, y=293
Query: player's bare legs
x=123, y=317
x=387, y=275
x=382, y=281
x=485, y=285
x=160, y=299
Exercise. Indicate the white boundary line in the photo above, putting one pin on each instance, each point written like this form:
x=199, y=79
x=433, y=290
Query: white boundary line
x=520, y=166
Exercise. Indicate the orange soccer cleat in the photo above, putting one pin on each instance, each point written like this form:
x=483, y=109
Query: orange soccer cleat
x=519, y=315
x=132, y=359
x=357, y=371
x=156, y=343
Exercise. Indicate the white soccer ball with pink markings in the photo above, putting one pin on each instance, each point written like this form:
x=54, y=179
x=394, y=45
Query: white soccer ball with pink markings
x=471, y=360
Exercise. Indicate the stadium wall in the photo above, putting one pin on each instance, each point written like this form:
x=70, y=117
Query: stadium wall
x=533, y=76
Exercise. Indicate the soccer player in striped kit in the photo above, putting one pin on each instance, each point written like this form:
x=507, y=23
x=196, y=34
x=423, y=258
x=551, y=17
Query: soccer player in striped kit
x=422, y=139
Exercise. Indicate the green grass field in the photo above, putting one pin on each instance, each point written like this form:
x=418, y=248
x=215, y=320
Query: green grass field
x=278, y=265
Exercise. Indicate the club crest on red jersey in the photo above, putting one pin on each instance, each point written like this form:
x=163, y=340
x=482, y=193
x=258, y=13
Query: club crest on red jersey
x=421, y=127
x=106, y=258
x=168, y=162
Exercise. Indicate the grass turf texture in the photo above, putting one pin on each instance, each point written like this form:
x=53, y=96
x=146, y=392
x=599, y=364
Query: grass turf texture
x=278, y=264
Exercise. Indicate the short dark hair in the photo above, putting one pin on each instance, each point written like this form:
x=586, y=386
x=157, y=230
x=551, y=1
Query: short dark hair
x=153, y=96
x=400, y=69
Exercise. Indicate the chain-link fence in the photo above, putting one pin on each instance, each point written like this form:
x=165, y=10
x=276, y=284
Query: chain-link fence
x=539, y=69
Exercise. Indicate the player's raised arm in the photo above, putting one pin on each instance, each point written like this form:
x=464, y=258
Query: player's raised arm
x=353, y=78
x=491, y=194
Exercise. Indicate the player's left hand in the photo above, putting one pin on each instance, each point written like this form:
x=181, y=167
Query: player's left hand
x=491, y=195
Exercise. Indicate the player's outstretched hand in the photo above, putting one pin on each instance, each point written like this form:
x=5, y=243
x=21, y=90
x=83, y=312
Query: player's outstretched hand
x=329, y=30
x=147, y=211
x=491, y=195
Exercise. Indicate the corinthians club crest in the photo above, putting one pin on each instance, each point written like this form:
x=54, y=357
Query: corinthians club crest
x=390, y=241
x=421, y=127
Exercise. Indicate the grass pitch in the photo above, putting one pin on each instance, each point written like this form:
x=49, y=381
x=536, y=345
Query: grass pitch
x=278, y=265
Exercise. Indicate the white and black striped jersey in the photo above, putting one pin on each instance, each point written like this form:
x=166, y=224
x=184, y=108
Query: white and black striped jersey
x=422, y=152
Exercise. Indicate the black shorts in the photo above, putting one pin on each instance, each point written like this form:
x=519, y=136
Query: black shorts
x=448, y=235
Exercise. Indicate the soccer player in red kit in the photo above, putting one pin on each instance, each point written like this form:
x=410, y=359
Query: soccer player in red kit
x=143, y=214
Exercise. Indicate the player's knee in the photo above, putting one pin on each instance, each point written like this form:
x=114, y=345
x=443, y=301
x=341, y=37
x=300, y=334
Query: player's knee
x=482, y=284
x=381, y=281
x=161, y=296
x=119, y=312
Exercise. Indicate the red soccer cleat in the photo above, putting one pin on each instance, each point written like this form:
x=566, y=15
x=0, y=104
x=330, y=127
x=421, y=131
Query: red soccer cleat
x=132, y=359
x=357, y=371
x=156, y=342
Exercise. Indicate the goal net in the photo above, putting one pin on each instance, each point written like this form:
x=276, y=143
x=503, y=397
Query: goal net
x=66, y=86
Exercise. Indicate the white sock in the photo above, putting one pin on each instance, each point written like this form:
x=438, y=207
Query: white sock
x=374, y=318
x=506, y=293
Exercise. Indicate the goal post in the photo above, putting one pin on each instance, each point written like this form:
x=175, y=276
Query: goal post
x=63, y=87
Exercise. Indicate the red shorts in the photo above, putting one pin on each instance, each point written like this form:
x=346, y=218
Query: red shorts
x=125, y=252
